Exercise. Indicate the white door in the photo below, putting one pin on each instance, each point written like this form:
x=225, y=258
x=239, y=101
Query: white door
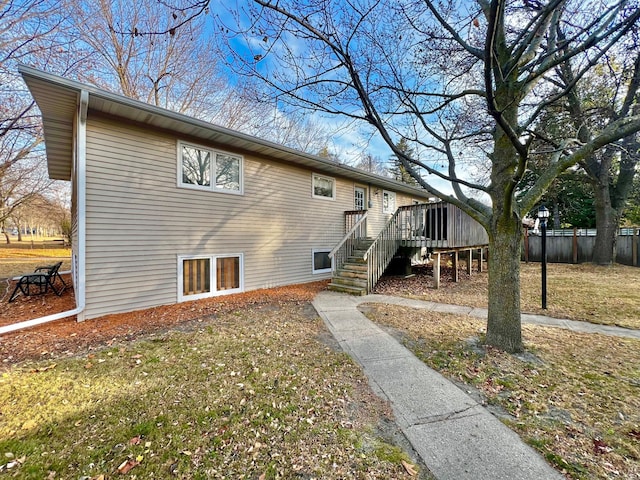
x=359, y=194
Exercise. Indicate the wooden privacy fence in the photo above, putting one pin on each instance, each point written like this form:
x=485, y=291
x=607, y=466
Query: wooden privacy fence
x=576, y=246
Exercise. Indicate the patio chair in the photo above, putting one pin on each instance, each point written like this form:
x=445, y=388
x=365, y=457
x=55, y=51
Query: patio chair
x=39, y=282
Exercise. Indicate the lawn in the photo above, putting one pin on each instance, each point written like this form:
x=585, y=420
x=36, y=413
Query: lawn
x=18, y=258
x=254, y=393
x=604, y=295
x=574, y=397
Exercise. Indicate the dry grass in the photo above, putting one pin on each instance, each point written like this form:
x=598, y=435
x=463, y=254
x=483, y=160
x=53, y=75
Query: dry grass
x=252, y=393
x=24, y=253
x=604, y=295
x=575, y=397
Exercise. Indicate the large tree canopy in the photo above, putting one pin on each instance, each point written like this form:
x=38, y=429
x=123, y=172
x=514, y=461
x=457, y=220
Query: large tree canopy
x=460, y=80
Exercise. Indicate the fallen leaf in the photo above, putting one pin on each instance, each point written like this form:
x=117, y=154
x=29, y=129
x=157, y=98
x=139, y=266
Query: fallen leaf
x=599, y=447
x=126, y=466
x=411, y=469
x=135, y=440
x=43, y=369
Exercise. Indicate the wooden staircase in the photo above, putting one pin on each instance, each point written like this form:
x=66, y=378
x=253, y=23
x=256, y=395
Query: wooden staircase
x=352, y=276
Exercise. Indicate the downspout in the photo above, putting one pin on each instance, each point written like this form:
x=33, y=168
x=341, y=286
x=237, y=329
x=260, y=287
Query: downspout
x=81, y=163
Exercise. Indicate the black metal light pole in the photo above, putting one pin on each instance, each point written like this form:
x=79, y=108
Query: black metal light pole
x=543, y=215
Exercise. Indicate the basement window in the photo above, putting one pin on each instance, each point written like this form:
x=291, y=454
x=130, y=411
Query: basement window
x=208, y=276
x=321, y=261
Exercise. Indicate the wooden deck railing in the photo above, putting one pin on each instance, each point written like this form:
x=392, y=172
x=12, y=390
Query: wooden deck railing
x=383, y=249
x=347, y=245
x=352, y=217
x=424, y=222
x=431, y=225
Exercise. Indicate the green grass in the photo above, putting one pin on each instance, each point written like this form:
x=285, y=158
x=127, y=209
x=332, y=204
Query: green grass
x=245, y=396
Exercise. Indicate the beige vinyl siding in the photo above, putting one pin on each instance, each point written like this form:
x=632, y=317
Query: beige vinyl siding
x=376, y=220
x=139, y=220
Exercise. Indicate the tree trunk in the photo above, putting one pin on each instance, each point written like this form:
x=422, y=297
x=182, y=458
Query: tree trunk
x=503, y=324
x=604, y=250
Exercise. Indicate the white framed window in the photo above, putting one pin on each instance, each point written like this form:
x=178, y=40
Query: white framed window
x=388, y=201
x=320, y=260
x=204, y=168
x=323, y=187
x=202, y=276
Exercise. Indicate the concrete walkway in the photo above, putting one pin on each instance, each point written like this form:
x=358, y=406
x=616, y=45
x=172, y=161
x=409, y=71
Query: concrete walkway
x=481, y=313
x=456, y=437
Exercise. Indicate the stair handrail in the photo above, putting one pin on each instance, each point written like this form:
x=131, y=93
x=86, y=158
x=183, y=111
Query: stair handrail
x=346, y=243
x=382, y=250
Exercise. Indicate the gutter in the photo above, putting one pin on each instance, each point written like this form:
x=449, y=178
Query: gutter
x=185, y=124
x=78, y=266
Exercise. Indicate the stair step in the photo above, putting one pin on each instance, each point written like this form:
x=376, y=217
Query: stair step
x=350, y=281
x=355, y=267
x=355, y=273
x=347, y=289
x=356, y=260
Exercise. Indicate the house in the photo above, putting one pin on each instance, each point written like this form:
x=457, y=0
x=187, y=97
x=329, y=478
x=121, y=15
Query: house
x=167, y=208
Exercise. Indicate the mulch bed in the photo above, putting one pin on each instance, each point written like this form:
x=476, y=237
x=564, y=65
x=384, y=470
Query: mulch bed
x=68, y=337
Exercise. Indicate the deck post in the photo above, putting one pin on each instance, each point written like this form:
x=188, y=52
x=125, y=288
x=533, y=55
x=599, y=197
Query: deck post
x=470, y=261
x=480, y=260
x=436, y=270
x=456, y=276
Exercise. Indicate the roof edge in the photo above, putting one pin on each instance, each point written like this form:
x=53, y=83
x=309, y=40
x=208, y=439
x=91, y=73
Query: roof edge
x=349, y=171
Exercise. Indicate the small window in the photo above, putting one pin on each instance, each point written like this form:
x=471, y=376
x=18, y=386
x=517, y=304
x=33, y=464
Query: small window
x=321, y=261
x=227, y=273
x=196, y=276
x=198, y=166
x=199, y=280
x=388, y=202
x=324, y=187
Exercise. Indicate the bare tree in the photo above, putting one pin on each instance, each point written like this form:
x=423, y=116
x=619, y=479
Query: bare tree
x=373, y=164
x=459, y=80
x=610, y=94
x=155, y=55
x=26, y=35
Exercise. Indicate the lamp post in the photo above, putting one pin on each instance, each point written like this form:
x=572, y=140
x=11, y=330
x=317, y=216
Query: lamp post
x=543, y=215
